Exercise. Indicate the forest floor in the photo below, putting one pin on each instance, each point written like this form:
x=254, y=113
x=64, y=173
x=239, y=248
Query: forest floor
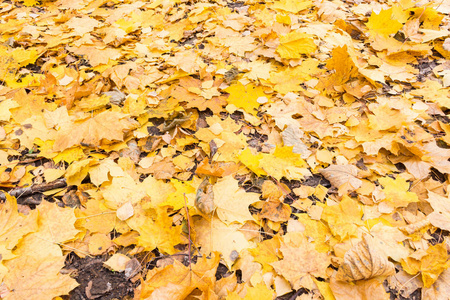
x=176, y=149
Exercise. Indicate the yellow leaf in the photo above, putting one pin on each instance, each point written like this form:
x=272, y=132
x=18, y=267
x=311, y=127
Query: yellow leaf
x=232, y=202
x=383, y=23
x=317, y=231
x=99, y=243
x=101, y=172
x=343, y=177
x=176, y=199
x=117, y=262
x=386, y=118
x=284, y=163
x=432, y=263
x=14, y=225
x=176, y=281
x=260, y=292
x=77, y=171
x=32, y=272
x=121, y=190
x=53, y=174
x=343, y=66
x=296, y=43
x=251, y=161
x=96, y=217
x=107, y=125
x=245, y=97
x=214, y=235
x=344, y=218
x=25, y=56
x=325, y=290
x=266, y=253
x=30, y=2
x=160, y=233
x=300, y=259
x=293, y=6
x=396, y=191
x=364, y=289
x=5, y=106
x=290, y=79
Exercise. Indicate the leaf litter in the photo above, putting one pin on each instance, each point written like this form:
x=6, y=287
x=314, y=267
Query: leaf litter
x=224, y=150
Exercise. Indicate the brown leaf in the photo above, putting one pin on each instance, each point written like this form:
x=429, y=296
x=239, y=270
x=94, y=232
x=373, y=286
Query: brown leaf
x=364, y=261
x=342, y=177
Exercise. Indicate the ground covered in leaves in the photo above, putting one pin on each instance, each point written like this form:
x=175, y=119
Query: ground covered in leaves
x=176, y=149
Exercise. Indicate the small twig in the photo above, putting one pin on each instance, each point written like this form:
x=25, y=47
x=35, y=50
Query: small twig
x=37, y=188
x=297, y=293
x=189, y=230
x=282, y=189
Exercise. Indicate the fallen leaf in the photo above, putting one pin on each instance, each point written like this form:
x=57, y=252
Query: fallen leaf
x=364, y=261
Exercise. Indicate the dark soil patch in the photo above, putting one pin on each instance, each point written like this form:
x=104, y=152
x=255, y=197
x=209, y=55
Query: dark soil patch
x=96, y=281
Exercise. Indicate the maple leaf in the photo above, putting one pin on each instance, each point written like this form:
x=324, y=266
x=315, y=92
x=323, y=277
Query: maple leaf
x=300, y=259
x=95, y=217
x=384, y=23
x=177, y=281
x=440, y=289
x=159, y=233
x=292, y=5
x=106, y=125
x=441, y=214
x=13, y=224
x=122, y=190
x=260, y=291
x=245, y=97
x=366, y=289
x=396, y=191
x=429, y=263
x=343, y=66
x=232, y=202
x=343, y=219
x=294, y=44
x=32, y=278
x=267, y=252
x=213, y=235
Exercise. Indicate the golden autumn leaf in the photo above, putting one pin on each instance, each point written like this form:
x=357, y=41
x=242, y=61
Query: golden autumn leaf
x=295, y=44
x=291, y=5
x=245, y=97
x=429, y=263
x=361, y=290
x=383, y=23
x=32, y=278
x=13, y=224
x=109, y=126
x=300, y=259
x=177, y=281
x=232, y=202
x=159, y=233
x=396, y=191
x=343, y=219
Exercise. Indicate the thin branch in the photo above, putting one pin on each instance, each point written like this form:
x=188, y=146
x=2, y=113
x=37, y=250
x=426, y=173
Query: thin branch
x=36, y=188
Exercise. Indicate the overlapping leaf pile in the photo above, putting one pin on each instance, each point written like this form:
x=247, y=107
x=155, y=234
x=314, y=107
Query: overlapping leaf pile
x=317, y=131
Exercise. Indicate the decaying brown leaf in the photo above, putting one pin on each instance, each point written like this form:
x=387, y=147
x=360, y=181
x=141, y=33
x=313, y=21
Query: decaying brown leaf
x=364, y=261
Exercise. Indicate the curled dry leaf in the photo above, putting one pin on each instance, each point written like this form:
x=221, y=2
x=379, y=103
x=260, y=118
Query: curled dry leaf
x=342, y=177
x=204, y=200
x=364, y=261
